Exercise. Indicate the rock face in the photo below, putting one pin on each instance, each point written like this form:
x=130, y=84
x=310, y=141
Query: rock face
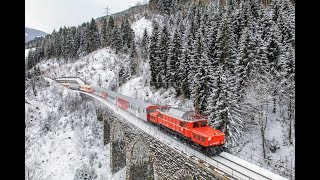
x=147, y=158
x=118, y=149
x=141, y=165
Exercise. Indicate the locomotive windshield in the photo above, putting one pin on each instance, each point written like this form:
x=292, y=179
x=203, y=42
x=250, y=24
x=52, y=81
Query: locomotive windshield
x=150, y=111
x=203, y=123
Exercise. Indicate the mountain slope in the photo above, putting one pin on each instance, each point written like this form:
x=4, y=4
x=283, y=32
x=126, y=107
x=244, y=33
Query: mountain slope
x=30, y=34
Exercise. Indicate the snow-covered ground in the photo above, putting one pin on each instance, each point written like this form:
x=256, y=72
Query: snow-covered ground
x=63, y=137
x=282, y=160
x=139, y=26
x=100, y=68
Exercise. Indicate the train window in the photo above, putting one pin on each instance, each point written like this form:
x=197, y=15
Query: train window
x=138, y=110
x=194, y=136
x=181, y=123
x=202, y=139
x=198, y=137
x=160, y=115
x=195, y=124
x=203, y=123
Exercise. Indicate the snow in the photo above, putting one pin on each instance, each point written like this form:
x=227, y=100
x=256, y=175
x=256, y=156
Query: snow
x=240, y=169
x=26, y=51
x=103, y=66
x=104, y=63
x=247, y=165
x=282, y=161
x=139, y=26
x=74, y=137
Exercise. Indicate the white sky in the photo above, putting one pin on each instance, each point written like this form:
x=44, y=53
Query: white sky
x=46, y=15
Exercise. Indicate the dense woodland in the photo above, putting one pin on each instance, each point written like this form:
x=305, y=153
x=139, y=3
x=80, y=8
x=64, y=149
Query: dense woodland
x=235, y=60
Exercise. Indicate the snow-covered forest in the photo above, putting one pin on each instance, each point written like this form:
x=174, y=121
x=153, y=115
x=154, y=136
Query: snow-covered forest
x=232, y=61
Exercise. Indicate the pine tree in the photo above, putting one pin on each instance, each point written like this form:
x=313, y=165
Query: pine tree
x=226, y=113
x=63, y=42
x=93, y=37
x=174, y=52
x=72, y=51
x=110, y=31
x=116, y=40
x=162, y=77
x=127, y=34
x=193, y=49
x=165, y=5
x=83, y=44
x=30, y=59
x=133, y=60
x=103, y=39
x=202, y=80
x=123, y=75
x=144, y=44
x=77, y=38
x=184, y=64
x=153, y=54
x=288, y=91
x=246, y=62
x=57, y=43
x=47, y=47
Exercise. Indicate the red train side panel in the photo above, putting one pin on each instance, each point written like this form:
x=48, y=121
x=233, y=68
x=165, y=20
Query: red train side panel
x=151, y=114
x=87, y=88
x=104, y=95
x=207, y=136
x=122, y=103
x=190, y=125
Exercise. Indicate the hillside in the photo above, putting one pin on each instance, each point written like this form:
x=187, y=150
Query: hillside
x=235, y=64
x=31, y=34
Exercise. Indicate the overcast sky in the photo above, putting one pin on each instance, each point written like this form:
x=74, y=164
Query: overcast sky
x=46, y=15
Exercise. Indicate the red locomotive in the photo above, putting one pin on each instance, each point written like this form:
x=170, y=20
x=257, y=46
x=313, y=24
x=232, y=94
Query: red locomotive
x=191, y=126
x=186, y=124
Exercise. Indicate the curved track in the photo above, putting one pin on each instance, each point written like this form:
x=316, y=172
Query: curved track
x=227, y=165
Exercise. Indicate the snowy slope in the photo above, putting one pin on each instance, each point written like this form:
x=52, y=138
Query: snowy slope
x=62, y=135
x=31, y=33
x=26, y=51
x=139, y=26
x=100, y=68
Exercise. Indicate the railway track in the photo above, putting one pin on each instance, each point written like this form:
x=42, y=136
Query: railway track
x=229, y=166
x=240, y=169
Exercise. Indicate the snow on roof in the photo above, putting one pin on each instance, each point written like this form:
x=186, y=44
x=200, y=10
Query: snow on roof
x=136, y=102
x=181, y=113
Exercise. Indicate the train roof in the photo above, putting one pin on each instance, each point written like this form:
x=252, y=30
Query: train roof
x=181, y=113
x=76, y=80
x=136, y=102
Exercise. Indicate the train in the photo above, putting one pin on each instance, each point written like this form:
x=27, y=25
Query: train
x=187, y=125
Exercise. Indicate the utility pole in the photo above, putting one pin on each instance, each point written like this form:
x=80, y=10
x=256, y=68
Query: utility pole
x=107, y=10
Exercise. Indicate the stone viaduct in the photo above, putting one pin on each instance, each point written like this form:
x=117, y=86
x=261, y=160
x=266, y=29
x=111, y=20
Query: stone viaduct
x=145, y=157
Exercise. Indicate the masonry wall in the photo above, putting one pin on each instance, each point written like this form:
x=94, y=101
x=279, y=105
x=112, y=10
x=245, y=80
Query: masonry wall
x=147, y=158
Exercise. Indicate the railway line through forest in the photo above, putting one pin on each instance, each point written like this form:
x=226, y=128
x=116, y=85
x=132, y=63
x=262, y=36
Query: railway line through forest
x=225, y=163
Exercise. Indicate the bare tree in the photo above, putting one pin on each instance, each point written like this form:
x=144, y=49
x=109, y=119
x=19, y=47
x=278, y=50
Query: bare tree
x=256, y=105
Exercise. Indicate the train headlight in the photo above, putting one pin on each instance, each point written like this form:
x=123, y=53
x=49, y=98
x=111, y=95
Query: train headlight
x=209, y=138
